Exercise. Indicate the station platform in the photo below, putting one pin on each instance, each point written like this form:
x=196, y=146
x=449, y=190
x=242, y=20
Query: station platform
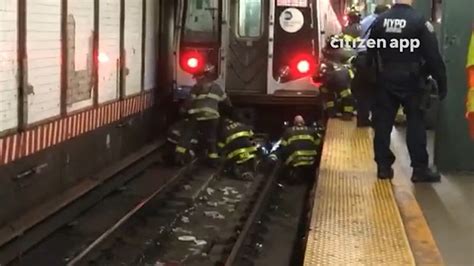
x=359, y=220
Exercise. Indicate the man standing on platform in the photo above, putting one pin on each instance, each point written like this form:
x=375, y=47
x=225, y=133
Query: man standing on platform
x=401, y=78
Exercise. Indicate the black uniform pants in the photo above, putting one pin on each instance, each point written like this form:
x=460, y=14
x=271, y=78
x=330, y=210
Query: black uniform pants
x=208, y=136
x=363, y=88
x=385, y=110
x=205, y=131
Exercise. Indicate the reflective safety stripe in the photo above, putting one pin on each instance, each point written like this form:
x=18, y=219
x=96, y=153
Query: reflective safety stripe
x=241, y=151
x=250, y=156
x=345, y=93
x=470, y=101
x=303, y=163
x=210, y=96
x=180, y=149
x=349, y=61
x=238, y=135
x=317, y=141
x=301, y=137
x=176, y=132
x=330, y=104
x=172, y=140
x=348, y=109
x=213, y=155
x=351, y=73
x=273, y=156
x=221, y=145
x=203, y=110
x=296, y=154
x=194, y=141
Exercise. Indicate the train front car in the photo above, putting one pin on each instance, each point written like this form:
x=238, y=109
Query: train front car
x=266, y=53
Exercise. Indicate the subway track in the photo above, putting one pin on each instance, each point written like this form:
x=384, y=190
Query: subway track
x=199, y=216
x=143, y=180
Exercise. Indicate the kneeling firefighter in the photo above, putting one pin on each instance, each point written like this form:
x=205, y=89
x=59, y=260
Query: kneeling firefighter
x=180, y=144
x=238, y=148
x=298, y=150
x=204, y=105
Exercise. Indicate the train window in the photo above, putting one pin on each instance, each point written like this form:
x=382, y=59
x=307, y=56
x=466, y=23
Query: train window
x=201, y=23
x=250, y=18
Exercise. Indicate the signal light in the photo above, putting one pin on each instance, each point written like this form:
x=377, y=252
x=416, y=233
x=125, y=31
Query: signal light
x=303, y=66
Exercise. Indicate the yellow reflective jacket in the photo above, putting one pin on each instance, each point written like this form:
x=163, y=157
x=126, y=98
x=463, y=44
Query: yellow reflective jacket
x=470, y=76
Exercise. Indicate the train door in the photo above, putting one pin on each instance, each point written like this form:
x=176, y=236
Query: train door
x=246, y=46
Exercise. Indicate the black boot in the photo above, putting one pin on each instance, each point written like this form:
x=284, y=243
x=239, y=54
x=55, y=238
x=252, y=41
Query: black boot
x=331, y=112
x=384, y=172
x=346, y=116
x=425, y=175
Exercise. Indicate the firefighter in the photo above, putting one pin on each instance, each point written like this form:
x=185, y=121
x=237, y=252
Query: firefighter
x=180, y=145
x=206, y=101
x=470, y=92
x=336, y=92
x=336, y=76
x=298, y=149
x=353, y=30
x=237, y=148
x=401, y=79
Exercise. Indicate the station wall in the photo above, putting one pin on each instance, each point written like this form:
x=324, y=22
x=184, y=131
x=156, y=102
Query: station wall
x=77, y=93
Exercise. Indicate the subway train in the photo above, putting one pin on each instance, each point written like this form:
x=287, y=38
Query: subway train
x=265, y=52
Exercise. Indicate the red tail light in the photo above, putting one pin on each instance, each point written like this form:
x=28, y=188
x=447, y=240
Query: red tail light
x=303, y=66
x=192, y=62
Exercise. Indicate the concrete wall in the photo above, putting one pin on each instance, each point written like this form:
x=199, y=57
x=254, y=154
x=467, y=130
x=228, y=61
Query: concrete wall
x=72, y=128
x=454, y=149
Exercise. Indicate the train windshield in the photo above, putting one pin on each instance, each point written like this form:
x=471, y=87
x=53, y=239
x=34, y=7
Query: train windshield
x=201, y=22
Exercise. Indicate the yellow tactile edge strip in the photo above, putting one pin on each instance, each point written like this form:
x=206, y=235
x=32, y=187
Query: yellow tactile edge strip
x=423, y=245
x=355, y=219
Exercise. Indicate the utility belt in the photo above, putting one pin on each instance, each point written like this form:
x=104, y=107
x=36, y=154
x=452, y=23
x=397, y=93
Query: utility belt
x=427, y=86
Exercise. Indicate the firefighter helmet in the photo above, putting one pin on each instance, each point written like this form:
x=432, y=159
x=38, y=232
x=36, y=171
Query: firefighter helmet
x=206, y=71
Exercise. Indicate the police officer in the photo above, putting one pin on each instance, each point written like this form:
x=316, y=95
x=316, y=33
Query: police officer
x=206, y=101
x=237, y=148
x=400, y=81
x=298, y=149
x=363, y=84
x=180, y=145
